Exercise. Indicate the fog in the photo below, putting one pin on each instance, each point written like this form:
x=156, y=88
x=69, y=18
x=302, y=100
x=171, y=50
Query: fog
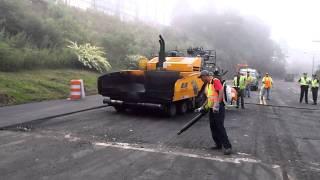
x=293, y=24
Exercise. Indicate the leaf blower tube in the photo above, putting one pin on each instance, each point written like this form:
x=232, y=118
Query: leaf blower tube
x=191, y=122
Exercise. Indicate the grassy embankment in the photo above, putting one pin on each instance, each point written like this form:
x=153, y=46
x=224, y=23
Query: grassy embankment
x=39, y=85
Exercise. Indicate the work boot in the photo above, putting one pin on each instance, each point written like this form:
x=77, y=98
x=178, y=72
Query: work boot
x=227, y=151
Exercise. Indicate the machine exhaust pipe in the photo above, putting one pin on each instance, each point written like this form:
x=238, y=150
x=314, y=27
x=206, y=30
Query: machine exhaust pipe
x=162, y=53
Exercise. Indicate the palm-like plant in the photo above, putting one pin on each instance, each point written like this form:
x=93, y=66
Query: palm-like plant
x=91, y=56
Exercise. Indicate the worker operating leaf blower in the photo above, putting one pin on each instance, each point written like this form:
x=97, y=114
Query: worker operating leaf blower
x=230, y=95
x=215, y=106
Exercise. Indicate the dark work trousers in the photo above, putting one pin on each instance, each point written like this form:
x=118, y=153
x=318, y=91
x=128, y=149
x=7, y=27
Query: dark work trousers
x=314, y=91
x=218, y=132
x=304, y=91
x=240, y=97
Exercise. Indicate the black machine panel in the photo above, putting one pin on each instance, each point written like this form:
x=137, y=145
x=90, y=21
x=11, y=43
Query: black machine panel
x=153, y=86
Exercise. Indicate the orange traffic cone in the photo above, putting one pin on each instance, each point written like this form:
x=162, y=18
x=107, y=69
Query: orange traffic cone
x=76, y=89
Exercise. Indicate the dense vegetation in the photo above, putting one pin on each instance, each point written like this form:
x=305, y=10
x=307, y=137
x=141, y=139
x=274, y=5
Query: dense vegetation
x=37, y=85
x=35, y=34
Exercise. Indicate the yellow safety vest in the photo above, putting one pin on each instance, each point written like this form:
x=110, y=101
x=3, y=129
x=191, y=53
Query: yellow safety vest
x=249, y=79
x=304, y=81
x=212, y=95
x=315, y=83
x=242, y=82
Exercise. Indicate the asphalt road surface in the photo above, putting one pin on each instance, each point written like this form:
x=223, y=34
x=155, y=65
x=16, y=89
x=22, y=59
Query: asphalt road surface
x=268, y=143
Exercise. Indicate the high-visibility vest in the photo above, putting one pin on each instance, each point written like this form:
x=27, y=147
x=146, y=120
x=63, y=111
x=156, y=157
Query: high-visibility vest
x=267, y=81
x=249, y=79
x=304, y=81
x=212, y=95
x=242, y=82
x=315, y=83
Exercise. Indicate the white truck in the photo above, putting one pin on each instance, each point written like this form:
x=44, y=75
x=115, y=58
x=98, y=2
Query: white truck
x=255, y=76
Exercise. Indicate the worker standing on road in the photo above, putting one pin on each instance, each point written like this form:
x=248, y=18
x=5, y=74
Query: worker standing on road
x=267, y=84
x=304, y=87
x=249, y=80
x=216, y=108
x=314, y=88
x=239, y=83
x=261, y=95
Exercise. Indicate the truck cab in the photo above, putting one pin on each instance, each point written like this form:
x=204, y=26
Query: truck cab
x=254, y=85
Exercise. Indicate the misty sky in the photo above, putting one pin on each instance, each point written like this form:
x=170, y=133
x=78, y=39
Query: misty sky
x=293, y=21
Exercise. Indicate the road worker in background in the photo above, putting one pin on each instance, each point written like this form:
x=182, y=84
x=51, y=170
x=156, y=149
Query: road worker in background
x=249, y=80
x=304, y=87
x=261, y=96
x=267, y=84
x=314, y=88
x=216, y=108
x=239, y=83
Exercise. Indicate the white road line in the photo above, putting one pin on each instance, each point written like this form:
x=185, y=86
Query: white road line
x=136, y=147
x=12, y=143
x=162, y=151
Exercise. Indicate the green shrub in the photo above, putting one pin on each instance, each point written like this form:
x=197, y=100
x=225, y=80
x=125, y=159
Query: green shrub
x=132, y=61
x=90, y=56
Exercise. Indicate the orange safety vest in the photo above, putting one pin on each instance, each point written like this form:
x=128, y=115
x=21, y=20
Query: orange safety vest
x=212, y=95
x=267, y=82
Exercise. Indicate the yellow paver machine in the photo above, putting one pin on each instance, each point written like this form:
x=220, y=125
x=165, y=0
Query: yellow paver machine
x=169, y=82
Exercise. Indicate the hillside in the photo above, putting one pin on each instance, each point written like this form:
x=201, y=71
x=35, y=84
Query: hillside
x=39, y=85
x=35, y=34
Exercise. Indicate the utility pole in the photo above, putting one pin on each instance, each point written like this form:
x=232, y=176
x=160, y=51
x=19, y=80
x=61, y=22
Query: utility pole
x=314, y=41
x=312, y=63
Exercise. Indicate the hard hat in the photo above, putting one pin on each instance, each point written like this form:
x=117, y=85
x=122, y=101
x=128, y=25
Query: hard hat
x=204, y=73
x=267, y=73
